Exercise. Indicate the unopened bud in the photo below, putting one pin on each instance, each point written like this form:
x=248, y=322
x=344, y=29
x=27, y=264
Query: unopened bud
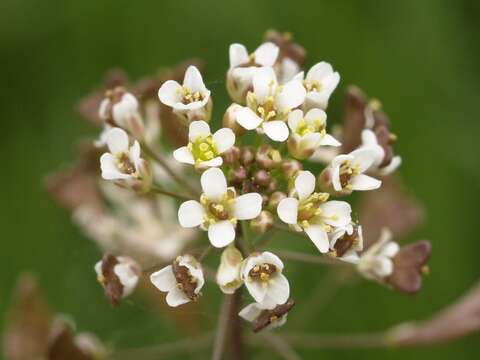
x=237, y=175
x=247, y=155
x=228, y=274
x=262, y=178
x=267, y=157
x=299, y=150
x=263, y=222
x=231, y=156
x=275, y=199
x=290, y=168
x=230, y=120
x=272, y=186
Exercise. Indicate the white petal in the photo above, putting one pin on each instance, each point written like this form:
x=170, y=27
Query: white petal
x=117, y=140
x=170, y=93
x=250, y=312
x=264, y=83
x=383, y=267
x=336, y=213
x=271, y=258
x=221, y=233
x=364, y=182
x=278, y=289
x=238, y=55
x=316, y=115
x=319, y=71
x=256, y=290
x=164, y=279
x=319, y=237
x=294, y=119
x=329, y=140
x=363, y=158
x=102, y=110
x=224, y=139
x=276, y=130
x=304, y=184
x=184, y=155
x=247, y=118
x=214, y=184
x=198, y=129
x=390, y=249
x=288, y=70
x=317, y=99
x=287, y=210
x=266, y=54
x=311, y=141
x=190, y=214
x=109, y=168
x=390, y=168
x=176, y=297
x=134, y=153
x=215, y=162
x=335, y=169
x=247, y=206
x=193, y=80
x=292, y=95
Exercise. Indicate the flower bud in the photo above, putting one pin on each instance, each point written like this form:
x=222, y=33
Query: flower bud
x=263, y=222
x=300, y=150
x=262, y=178
x=267, y=157
x=324, y=181
x=237, y=175
x=231, y=156
x=290, y=168
x=230, y=121
x=247, y=155
x=228, y=274
x=275, y=199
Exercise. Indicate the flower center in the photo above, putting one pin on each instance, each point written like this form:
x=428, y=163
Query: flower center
x=218, y=210
x=124, y=164
x=312, y=85
x=203, y=149
x=185, y=281
x=347, y=171
x=309, y=208
x=307, y=127
x=189, y=97
x=262, y=272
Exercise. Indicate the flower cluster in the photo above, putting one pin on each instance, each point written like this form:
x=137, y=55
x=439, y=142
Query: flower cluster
x=257, y=174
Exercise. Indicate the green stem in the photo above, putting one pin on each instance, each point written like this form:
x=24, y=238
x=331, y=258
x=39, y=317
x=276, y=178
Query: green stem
x=157, y=190
x=161, y=161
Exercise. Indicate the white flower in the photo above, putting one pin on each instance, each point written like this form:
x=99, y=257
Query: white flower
x=308, y=133
x=127, y=271
x=262, y=274
x=219, y=208
x=270, y=103
x=182, y=280
x=121, y=109
x=346, y=242
x=204, y=149
x=370, y=141
x=311, y=212
x=228, y=274
x=243, y=67
x=264, y=317
x=123, y=161
x=376, y=262
x=320, y=82
x=347, y=171
x=191, y=95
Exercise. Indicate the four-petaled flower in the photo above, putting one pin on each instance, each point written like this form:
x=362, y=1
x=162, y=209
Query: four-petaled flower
x=370, y=141
x=262, y=274
x=308, y=133
x=204, y=149
x=269, y=104
x=191, y=95
x=182, y=280
x=311, y=212
x=243, y=67
x=346, y=172
x=123, y=161
x=219, y=208
x=320, y=83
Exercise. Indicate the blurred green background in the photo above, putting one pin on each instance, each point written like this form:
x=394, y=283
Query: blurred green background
x=419, y=57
